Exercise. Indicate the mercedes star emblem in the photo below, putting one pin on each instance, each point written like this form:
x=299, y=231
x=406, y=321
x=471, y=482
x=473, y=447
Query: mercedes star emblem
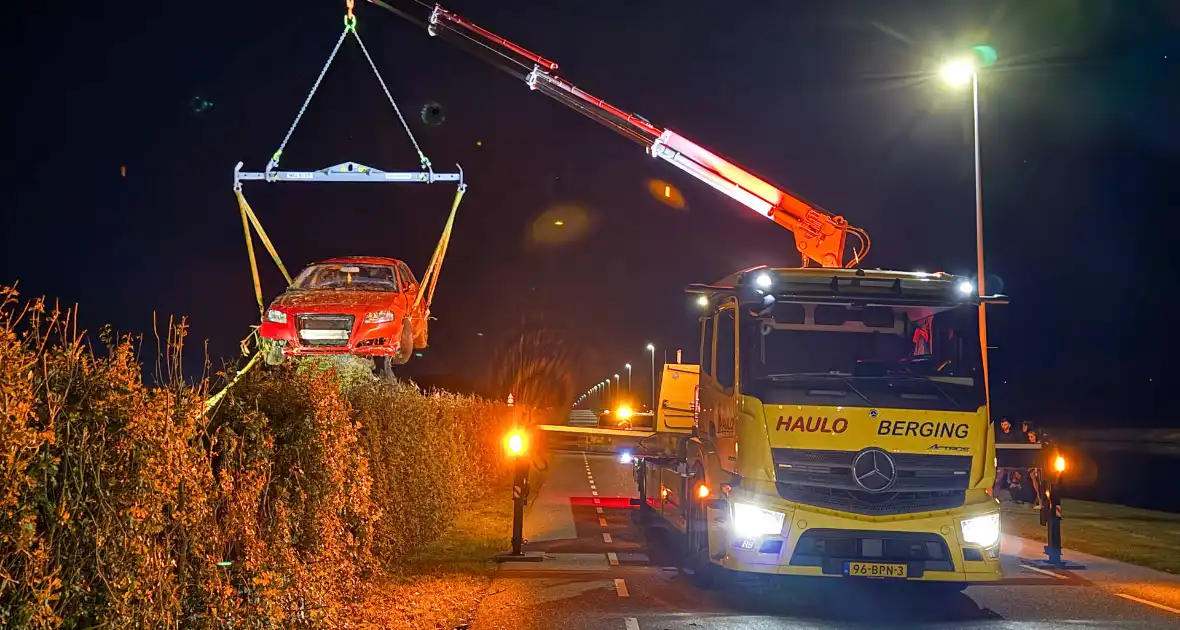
x=874, y=470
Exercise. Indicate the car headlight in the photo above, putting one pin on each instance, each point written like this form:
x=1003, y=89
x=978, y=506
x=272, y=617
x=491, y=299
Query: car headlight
x=626, y=457
x=276, y=316
x=751, y=521
x=982, y=530
x=378, y=317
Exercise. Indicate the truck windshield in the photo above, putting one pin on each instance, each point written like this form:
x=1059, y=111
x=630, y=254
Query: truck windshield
x=902, y=357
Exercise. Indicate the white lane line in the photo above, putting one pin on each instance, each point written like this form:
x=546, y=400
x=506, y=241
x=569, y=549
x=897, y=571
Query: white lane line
x=630, y=623
x=1046, y=572
x=612, y=558
x=606, y=539
x=1142, y=601
x=597, y=502
x=598, y=509
x=593, y=487
x=601, y=522
x=621, y=588
x=594, y=492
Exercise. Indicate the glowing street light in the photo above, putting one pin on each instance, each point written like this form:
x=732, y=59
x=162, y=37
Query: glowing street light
x=652, y=349
x=959, y=72
x=628, y=366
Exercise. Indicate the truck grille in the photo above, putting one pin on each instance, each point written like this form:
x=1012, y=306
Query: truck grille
x=824, y=479
x=324, y=331
x=831, y=548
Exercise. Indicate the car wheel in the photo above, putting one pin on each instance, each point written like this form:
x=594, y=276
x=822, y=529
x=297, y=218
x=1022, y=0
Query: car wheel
x=272, y=353
x=383, y=369
x=405, y=348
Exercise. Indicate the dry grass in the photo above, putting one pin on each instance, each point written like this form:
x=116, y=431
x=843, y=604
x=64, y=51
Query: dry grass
x=1143, y=537
x=441, y=585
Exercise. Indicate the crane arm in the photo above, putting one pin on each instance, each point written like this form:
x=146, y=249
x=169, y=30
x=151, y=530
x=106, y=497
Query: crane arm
x=820, y=237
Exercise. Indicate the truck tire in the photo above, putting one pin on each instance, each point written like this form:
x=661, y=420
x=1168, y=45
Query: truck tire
x=702, y=572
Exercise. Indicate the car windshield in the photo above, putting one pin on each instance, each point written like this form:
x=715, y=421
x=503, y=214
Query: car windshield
x=872, y=356
x=347, y=276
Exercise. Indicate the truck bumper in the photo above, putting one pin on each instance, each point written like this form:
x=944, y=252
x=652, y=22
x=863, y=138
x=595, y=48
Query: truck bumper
x=819, y=544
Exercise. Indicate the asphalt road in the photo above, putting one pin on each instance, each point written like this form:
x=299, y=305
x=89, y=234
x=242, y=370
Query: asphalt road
x=601, y=572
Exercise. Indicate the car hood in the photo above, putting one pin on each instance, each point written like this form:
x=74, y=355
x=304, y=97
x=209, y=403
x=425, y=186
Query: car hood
x=332, y=301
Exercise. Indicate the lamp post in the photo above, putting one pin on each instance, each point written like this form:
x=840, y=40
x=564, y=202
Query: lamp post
x=516, y=447
x=652, y=349
x=958, y=73
x=629, y=389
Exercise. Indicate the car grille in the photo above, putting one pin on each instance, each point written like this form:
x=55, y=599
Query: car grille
x=824, y=479
x=324, y=331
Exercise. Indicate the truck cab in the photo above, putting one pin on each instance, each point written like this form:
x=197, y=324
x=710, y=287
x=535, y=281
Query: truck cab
x=839, y=428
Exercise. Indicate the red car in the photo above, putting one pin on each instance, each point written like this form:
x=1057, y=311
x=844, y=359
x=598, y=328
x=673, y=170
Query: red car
x=360, y=305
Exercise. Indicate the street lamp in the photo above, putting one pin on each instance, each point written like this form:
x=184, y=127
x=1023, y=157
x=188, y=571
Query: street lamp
x=957, y=73
x=652, y=349
x=616, y=385
x=628, y=366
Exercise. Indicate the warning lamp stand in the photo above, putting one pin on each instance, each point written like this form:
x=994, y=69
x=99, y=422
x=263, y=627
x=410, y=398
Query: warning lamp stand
x=1051, y=518
x=520, y=495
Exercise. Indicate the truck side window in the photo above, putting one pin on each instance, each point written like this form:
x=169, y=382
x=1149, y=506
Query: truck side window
x=726, y=344
x=707, y=346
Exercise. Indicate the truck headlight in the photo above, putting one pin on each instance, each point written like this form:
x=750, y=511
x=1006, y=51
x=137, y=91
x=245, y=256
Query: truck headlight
x=378, y=317
x=276, y=316
x=982, y=530
x=751, y=521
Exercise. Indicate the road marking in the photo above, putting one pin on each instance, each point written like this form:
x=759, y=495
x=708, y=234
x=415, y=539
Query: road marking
x=1040, y=570
x=1142, y=601
x=601, y=522
x=621, y=588
x=593, y=487
x=630, y=623
x=612, y=558
x=606, y=539
x=598, y=509
x=594, y=492
x=596, y=501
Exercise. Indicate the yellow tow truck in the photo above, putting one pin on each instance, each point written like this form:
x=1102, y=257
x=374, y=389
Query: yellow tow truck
x=836, y=426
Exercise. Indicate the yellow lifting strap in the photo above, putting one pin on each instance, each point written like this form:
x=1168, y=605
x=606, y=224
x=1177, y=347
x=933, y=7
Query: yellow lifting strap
x=430, y=276
x=248, y=219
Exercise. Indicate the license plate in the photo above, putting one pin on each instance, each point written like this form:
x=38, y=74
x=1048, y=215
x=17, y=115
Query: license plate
x=876, y=569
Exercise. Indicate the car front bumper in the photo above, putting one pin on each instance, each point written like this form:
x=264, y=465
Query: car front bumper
x=363, y=339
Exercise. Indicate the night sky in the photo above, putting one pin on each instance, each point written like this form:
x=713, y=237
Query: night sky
x=835, y=101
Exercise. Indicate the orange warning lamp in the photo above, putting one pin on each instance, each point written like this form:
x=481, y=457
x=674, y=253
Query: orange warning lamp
x=516, y=443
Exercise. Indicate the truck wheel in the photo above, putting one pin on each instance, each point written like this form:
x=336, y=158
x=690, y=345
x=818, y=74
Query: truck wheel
x=405, y=348
x=702, y=572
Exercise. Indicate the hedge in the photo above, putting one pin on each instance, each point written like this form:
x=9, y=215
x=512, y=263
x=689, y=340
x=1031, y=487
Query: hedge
x=123, y=505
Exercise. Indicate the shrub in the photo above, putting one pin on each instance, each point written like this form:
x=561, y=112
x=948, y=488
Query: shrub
x=127, y=506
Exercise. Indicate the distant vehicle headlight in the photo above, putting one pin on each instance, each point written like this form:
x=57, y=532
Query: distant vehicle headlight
x=276, y=316
x=751, y=521
x=626, y=457
x=982, y=530
x=763, y=281
x=378, y=317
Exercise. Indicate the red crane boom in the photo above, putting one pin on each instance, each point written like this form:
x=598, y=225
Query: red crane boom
x=819, y=235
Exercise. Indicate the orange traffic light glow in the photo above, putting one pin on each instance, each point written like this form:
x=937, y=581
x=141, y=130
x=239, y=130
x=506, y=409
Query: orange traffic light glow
x=1059, y=464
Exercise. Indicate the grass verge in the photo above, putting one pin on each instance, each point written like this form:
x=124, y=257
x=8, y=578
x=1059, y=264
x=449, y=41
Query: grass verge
x=1143, y=537
x=441, y=585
